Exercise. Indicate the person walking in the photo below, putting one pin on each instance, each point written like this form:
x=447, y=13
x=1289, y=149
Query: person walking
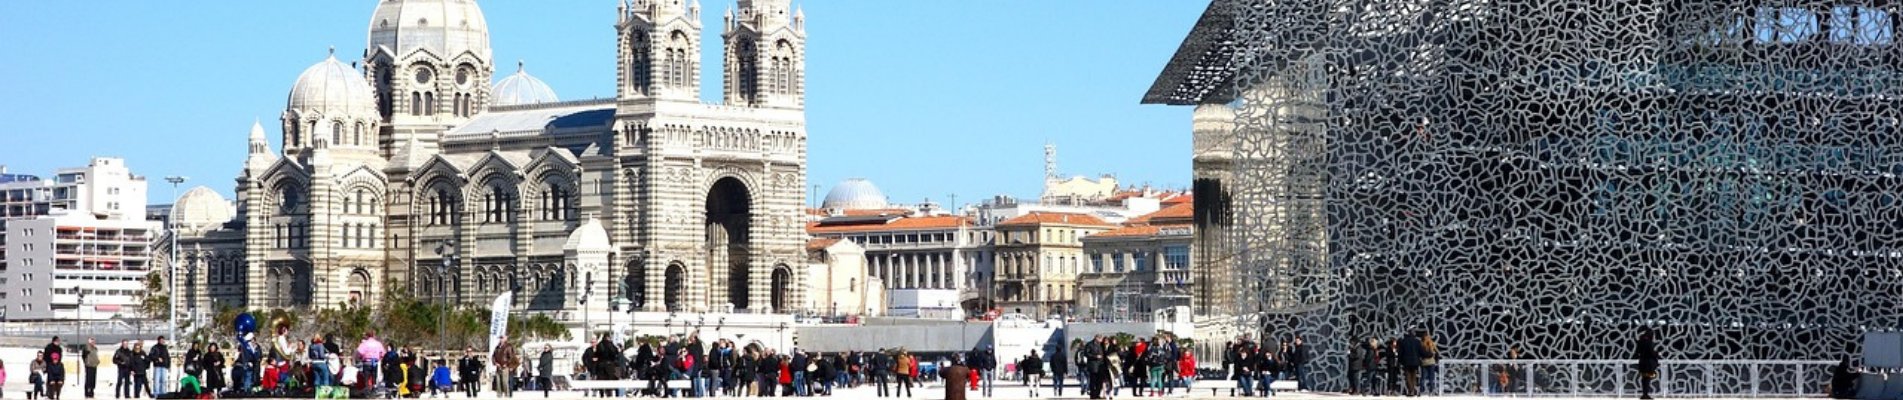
x=956, y=377
x=1411, y=353
x=89, y=360
x=1646, y=350
x=1060, y=366
x=1392, y=366
x=1033, y=370
x=879, y=367
x=1367, y=362
x=506, y=360
x=545, y=368
x=903, y=368
x=986, y=362
x=160, y=358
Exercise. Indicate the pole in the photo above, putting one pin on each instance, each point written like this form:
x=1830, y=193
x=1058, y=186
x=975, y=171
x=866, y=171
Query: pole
x=446, y=249
x=171, y=277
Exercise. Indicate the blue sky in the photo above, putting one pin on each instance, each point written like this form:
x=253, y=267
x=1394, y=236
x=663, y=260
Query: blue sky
x=925, y=98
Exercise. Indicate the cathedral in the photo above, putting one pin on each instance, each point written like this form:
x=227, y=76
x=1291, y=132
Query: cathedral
x=413, y=172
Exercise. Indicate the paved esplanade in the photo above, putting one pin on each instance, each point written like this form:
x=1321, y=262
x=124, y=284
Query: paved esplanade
x=1017, y=392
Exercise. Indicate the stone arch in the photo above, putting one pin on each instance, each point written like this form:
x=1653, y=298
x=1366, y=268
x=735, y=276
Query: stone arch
x=674, y=287
x=635, y=284
x=782, y=286
x=729, y=214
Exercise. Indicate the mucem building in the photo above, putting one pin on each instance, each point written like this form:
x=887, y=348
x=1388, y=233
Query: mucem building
x=1550, y=178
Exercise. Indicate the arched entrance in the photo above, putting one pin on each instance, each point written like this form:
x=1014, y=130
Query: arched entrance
x=729, y=214
x=635, y=285
x=676, y=282
x=782, y=281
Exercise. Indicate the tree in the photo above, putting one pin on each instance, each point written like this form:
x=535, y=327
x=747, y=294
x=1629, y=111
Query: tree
x=155, y=302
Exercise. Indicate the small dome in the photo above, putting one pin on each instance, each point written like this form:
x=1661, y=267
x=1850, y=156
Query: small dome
x=521, y=88
x=201, y=207
x=334, y=90
x=855, y=194
x=444, y=28
x=590, y=236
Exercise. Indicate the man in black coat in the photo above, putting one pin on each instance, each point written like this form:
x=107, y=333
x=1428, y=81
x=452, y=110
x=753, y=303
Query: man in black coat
x=1298, y=363
x=1060, y=366
x=1647, y=352
x=470, y=371
x=880, y=367
x=1410, y=353
x=122, y=358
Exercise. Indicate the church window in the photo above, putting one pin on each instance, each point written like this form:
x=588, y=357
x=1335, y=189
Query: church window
x=416, y=103
x=499, y=204
x=638, y=64
x=429, y=103
x=336, y=134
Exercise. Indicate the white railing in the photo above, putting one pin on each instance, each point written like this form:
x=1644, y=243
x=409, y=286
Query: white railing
x=1702, y=378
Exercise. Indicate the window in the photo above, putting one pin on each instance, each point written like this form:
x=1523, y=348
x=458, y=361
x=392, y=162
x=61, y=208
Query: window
x=1176, y=258
x=499, y=204
x=1860, y=25
x=416, y=103
x=1116, y=262
x=1142, y=261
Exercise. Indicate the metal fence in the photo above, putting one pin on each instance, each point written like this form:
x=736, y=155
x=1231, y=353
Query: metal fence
x=112, y=328
x=1704, y=378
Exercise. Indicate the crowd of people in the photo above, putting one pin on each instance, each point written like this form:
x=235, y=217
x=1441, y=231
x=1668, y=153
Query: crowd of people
x=1255, y=367
x=1151, y=367
x=1405, y=365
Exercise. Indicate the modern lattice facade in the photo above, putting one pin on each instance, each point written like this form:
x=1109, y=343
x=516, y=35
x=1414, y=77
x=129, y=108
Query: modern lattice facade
x=1559, y=175
x=384, y=165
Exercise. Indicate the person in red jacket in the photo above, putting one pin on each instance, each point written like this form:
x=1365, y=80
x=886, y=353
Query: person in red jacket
x=1186, y=369
x=786, y=376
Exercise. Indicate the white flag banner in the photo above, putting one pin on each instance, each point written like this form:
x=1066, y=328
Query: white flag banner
x=499, y=319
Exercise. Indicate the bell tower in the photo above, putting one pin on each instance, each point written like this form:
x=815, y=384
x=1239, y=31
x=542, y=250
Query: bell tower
x=766, y=55
x=659, y=49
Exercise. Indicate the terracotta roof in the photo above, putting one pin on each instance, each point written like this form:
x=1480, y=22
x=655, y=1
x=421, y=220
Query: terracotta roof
x=1177, y=213
x=1179, y=198
x=906, y=223
x=1137, y=230
x=1040, y=218
x=818, y=244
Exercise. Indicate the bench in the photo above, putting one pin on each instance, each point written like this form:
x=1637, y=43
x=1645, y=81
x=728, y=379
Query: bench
x=678, y=386
x=1214, y=385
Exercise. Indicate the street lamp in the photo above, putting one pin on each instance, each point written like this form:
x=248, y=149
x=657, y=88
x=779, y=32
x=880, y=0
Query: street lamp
x=171, y=277
x=447, y=250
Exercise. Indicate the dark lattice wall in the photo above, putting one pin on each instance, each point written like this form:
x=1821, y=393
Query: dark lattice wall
x=1556, y=174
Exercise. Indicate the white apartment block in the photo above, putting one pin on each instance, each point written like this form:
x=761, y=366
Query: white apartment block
x=81, y=232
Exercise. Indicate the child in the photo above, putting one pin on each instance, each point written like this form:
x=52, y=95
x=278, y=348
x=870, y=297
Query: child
x=440, y=379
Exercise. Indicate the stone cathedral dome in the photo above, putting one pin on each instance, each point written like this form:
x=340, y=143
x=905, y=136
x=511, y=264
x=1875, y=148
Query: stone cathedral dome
x=444, y=28
x=201, y=207
x=855, y=194
x=333, y=89
x=521, y=88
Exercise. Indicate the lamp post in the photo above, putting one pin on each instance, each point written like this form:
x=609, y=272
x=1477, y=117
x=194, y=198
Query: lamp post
x=447, y=250
x=171, y=264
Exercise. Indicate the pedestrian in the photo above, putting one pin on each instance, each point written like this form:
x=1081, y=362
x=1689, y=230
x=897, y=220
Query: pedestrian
x=320, y=362
x=139, y=367
x=1033, y=370
x=1430, y=363
x=985, y=360
x=1157, y=360
x=904, y=366
x=1060, y=365
x=214, y=369
x=440, y=381
x=121, y=361
x=1298, y=364
x=470, y=372
x=1370, y=355
x=1186, y=370
x=1646, y=350
x=546, y=368
x=1411, y=353
x=35, y=377
x=160, y=358
x=956, y=377
x=1391, y=366
x=192, y=367
x=505, y=358
x=89, y=361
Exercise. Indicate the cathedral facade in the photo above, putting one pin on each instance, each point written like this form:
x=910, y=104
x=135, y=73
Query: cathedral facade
x=414, y=173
